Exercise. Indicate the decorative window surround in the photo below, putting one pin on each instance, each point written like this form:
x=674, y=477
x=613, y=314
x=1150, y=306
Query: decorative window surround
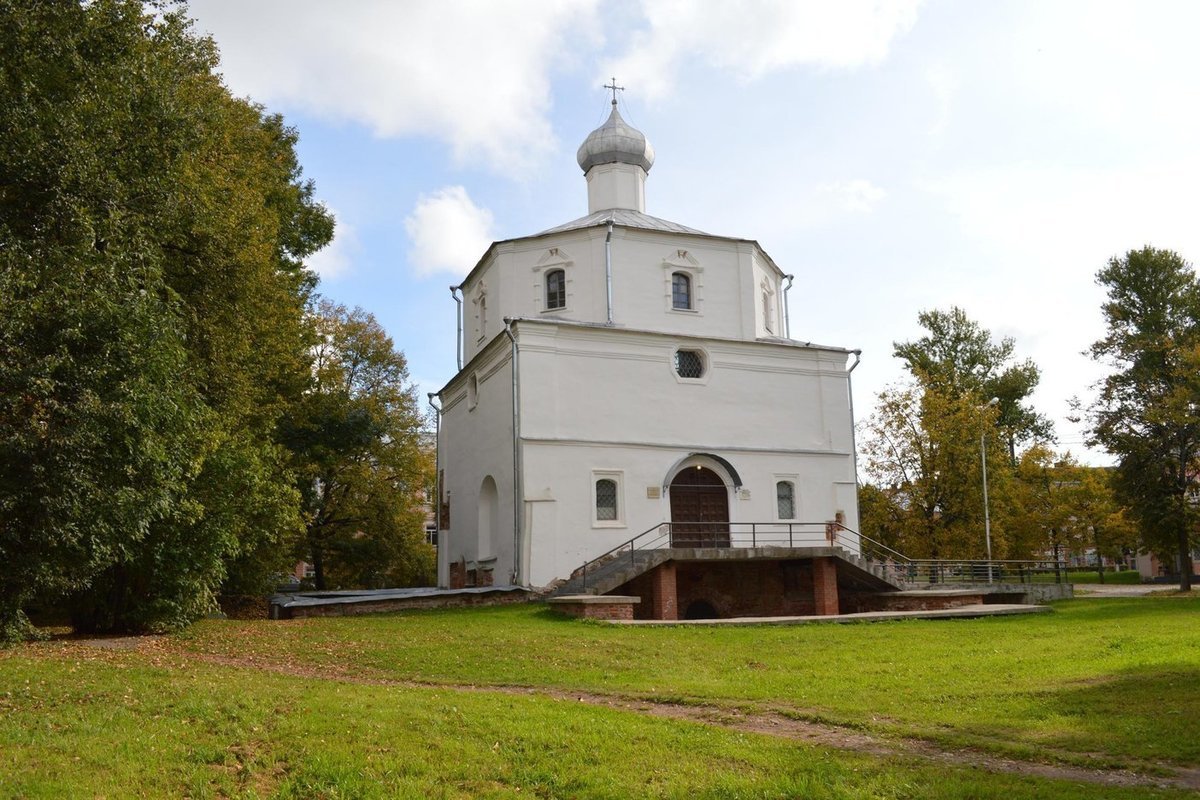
x=768, y=307
x=787, y=503
x=554, y=258
x=608, y=499
x=683, y=263
x=480, y=301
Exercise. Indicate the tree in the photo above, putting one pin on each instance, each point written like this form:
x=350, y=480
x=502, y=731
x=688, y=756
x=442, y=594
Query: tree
x=152, y=236
x=958, y=357
x=1148, y=410
x=96, y=436
x=360, y=458
x=923, y=454
x=1103, y=522
x=1041, y=510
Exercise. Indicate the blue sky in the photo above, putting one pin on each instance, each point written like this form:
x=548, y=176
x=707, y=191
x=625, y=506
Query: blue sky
x=895, y=156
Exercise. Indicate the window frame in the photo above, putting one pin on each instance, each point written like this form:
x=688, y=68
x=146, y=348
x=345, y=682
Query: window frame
x=706, y=366
x=699, y=357
x=550, y=274
x=682, y=262
x=791, y=481
x=690, y=283
x=616, y=477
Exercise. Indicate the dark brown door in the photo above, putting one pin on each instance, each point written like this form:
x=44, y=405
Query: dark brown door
x=699, y=509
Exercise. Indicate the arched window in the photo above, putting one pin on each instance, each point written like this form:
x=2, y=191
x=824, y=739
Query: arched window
x=556, y=289
x=606, y=500
x=785, y=499
x=681, y=291
x=768, y=306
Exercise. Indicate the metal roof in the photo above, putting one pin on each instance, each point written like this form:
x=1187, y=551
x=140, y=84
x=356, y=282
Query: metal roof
x=624, y=217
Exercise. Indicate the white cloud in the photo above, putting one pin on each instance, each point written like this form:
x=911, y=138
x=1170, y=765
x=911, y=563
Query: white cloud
x=752, y=39
x=448, y=232
x=473, y=74
x=856, y=196
x=335, y=259
x=944, y=85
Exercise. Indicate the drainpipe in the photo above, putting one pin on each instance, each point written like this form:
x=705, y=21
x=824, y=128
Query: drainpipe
x=454, y=292
x=608, y=270
x=853, y=438
x=787, y=314
x=517, y=491
x=437, y=474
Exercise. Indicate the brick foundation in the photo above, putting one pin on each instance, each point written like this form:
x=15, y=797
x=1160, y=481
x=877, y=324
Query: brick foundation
x=458, y=574
x=739, y=588
x=607, y=607
x=925, y=601
x=825, y=588
x=665, y=599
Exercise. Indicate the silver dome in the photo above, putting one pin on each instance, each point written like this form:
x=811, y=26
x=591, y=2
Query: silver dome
x=615, y=142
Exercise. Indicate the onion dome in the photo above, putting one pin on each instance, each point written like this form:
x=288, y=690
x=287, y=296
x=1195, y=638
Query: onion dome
x=615, y=142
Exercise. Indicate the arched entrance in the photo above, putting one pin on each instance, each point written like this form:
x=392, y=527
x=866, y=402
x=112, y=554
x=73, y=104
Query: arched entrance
x=699, y=509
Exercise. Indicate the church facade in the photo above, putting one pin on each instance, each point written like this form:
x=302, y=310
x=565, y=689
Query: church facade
x=621, y=372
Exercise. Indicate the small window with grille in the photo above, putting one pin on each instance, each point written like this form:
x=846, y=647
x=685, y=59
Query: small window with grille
x=606, y=500
x=689, y=363
x=785, y=499
x=556, y=289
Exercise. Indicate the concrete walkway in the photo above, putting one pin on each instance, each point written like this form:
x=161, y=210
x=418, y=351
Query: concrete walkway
x=962, y=612
x=1118, y=590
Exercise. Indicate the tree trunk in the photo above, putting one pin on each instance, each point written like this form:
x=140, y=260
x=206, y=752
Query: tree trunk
x=1058, y=577
x=318, y=569
x=1185, y=562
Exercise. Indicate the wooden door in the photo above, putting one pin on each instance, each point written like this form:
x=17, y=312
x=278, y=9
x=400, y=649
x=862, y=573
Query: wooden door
x=699, y=509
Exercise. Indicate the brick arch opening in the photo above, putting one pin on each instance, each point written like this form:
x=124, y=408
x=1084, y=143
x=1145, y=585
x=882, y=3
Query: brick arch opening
x=700, y=609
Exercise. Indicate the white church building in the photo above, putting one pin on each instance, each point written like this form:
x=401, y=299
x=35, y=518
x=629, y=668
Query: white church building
x=623, y=376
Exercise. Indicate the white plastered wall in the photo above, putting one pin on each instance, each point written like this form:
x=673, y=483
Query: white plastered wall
x=608, y=402
x=475, y=442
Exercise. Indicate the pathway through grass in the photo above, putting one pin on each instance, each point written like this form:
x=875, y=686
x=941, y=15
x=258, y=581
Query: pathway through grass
x=487, y=702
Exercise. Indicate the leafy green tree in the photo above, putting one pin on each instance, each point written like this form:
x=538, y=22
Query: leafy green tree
x=97, y=437
x=1044, y=517
x=360, y=458
x=1148, y=410
x=922, y=453
x=958, y=357
x=152, y=236
x=1103, y=522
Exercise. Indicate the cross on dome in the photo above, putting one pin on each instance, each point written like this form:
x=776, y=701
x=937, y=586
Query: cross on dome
x=615, y=89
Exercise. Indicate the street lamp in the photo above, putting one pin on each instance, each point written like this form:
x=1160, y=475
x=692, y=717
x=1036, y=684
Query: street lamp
x=987, y=518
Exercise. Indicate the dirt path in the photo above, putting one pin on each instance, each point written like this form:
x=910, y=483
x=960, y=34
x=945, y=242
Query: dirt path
x=771, y=723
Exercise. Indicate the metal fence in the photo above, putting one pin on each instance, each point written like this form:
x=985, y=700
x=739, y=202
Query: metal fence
x=878, y=558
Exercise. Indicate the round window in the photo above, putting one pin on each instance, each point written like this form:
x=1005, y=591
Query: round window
x=689, y=363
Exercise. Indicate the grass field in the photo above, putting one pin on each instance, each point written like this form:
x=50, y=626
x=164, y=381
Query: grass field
x=1127, y=577
x=516, y=702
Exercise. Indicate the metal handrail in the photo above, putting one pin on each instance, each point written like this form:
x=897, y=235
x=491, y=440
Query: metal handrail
x=654, y=536
x=888, y=560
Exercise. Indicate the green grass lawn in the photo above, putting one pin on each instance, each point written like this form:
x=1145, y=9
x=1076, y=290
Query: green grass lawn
x=1103, y=682
x=1126, y=577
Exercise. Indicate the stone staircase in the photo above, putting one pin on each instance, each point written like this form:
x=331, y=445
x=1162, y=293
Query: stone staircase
x=620, y=568
x=609, y=574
